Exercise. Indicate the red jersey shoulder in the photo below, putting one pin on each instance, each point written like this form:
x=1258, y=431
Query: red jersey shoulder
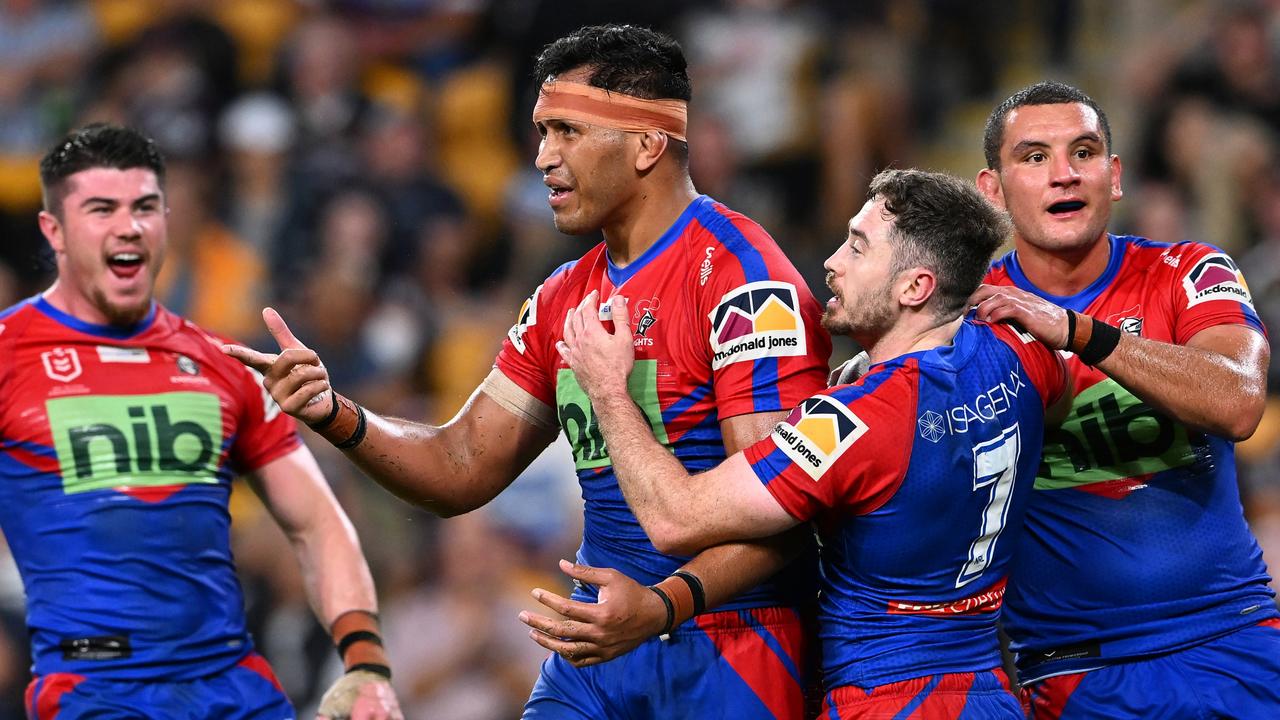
x=1206, y=273
x=846, y=447
x=1044, y=366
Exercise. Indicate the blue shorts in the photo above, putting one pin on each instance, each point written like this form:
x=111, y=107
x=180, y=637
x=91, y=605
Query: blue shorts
x=248, y=691
x=953, y=696
x=739, y=664
x=1234, y=676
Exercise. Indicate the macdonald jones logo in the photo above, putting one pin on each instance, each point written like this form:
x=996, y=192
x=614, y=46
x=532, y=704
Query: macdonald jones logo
x=817, y=432
x=757, y=320
x=1216, y=277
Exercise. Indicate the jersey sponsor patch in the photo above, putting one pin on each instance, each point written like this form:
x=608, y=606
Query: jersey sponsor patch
x=817, y=432
x=1216, y=277
x=757, y=320
x=105, y=441
x=116, y=354
x=527, y=318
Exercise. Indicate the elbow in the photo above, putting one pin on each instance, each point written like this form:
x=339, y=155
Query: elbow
x=673, y=539
x=444, y=508
x=1243, y=421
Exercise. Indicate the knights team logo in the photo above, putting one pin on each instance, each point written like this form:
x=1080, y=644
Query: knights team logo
x=1216, y=277
x=61, y=364
x=817, y=432
x=758, y=320
x=1128, y=320
x=527, y=318
x=188, y=366
x=645, y=315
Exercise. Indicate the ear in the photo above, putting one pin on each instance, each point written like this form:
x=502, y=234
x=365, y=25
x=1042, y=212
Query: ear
x=916, y=285
x=988, y=182
x=1117, y=192
x=653, y=144
x=51, y=228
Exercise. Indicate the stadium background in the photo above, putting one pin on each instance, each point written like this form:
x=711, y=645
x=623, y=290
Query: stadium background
x=366, y=166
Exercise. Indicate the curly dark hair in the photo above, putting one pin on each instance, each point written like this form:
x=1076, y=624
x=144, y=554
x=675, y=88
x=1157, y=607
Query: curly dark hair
x=943, y=223
x=622, y=58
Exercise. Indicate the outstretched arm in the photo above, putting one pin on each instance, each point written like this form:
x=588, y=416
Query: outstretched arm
x=337, y=580
x=448, y=470
x=1216, y=382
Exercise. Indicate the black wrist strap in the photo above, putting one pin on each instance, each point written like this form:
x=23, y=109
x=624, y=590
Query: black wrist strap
x=374, y=668
x=1071, y=329
x=354, y=637
x=695, y=587
x=671, y=609
x=1102, y=342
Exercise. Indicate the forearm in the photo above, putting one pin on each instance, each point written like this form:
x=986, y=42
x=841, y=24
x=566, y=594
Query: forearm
x=335, y=574
x=729, y=570
x=654, y=483
x=447, y=470
x=1196, y=386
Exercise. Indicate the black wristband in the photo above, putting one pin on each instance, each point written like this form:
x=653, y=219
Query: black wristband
x=354, y=637
x=1102, y=342
x=671, y=609
x=374, y=668
x=695, y=587
x=358, y=434
x=1071, y=329
x=328, y=419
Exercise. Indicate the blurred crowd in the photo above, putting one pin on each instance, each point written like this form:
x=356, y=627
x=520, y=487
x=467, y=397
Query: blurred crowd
x=365, y=166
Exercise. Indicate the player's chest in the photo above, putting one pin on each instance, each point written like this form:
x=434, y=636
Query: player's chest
x=77, y=393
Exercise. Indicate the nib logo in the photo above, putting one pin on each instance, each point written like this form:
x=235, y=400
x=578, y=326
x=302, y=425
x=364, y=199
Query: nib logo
x=757, y=320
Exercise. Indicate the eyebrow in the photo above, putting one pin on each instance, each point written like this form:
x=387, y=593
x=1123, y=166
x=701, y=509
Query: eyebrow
x=149, y=197
x=856, y=233
x=1025, y=145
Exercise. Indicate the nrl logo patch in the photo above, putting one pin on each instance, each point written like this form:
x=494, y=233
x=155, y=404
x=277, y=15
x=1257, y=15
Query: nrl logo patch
x=817, y=432
x=758, y=320
x=527, y=318
x=1216, y=277
x=62, y=364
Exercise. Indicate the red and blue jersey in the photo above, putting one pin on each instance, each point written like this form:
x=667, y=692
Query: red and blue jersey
x=724, y=326
x=117, y=451
x=916, y=477
x=1135, y=539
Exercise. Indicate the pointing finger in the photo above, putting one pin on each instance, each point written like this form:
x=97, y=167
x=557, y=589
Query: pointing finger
x=279, y=330
x=257, y=360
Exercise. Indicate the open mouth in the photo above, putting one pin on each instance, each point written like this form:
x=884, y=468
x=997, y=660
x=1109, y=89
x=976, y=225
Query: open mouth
x=125, y=264
x=1066, y=206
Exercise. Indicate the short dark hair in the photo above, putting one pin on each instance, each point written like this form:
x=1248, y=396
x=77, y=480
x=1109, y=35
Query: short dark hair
x=622, y=58
x=97, y=145
x=1048, y=92
x=942, y=223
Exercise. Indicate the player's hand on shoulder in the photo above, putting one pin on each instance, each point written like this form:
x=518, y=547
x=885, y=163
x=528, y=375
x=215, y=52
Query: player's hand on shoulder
x=601, y=361
x=850, y=370
x=625, y=614
x=1042, y=319
x=295, y=377
x=360, y=695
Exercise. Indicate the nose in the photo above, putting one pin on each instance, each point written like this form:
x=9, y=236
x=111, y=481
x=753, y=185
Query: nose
x=1063, y=171
x=548, y=155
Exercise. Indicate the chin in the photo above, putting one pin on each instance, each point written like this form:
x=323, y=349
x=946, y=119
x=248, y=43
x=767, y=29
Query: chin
x=126, y=312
